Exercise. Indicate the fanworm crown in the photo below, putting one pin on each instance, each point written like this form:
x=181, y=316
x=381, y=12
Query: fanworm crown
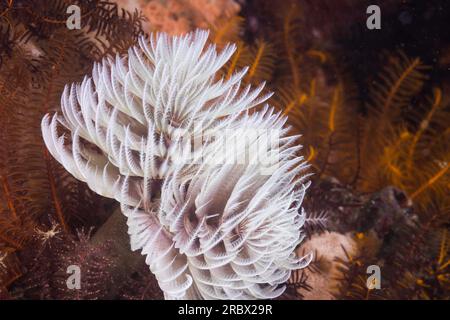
x=210, y=227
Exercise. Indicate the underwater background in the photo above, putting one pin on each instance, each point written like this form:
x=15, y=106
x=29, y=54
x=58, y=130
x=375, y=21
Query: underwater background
x=372, y=106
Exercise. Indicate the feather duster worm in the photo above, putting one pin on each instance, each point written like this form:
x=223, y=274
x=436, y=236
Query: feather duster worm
x=211, y=228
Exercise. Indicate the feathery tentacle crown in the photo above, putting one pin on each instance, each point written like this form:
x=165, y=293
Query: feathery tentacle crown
x=210, y=228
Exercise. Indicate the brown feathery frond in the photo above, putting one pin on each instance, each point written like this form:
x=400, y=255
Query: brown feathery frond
x=316, y=222
x=240, y=59
x=16, y=215
x=39, y=55
x=9, y=268
x=297, y=283
x=326, y=117
x=416, y=159
x=262, y=65
x=225, y=31
x=401, y=79
x=291, y=31
x=352, y=279
x=424, y=271
x=259, y=58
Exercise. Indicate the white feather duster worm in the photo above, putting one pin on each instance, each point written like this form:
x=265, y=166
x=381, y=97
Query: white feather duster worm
x=211, y=228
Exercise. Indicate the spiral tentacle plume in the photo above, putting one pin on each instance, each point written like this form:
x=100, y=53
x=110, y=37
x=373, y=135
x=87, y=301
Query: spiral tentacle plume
x=210, y=228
